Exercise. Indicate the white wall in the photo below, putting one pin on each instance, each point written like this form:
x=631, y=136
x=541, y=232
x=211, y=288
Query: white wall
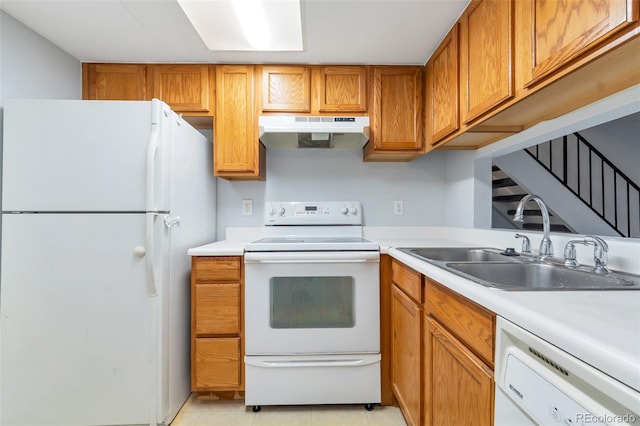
x=33, y=67
x=618, y=141
x=341, y=176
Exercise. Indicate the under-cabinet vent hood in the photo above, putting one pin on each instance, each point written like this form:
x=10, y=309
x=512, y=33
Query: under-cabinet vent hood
x=291, y=132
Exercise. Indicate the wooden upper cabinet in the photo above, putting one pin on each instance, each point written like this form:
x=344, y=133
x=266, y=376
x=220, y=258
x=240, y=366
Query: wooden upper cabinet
x=187, y=88
x=237, y=152
x=562, y=30
x=286, y=89
x=486, y=54
x=396, y=113
x=340, y=89
x=114, y=82
x=442, y=97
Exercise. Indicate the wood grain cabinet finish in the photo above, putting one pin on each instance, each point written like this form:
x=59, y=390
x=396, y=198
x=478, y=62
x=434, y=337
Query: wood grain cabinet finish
x=340, y=89
x=396, y=114
x=471, y=323
x=459, y=387
x=107, y=82
x=286, y=89
x=216, y=324
x=237, y=152
x=443, y=101
x=562, y=30
x=486, y=56
x=187, y=88
x=217, y=364
x=406, y=332
x=406, y=354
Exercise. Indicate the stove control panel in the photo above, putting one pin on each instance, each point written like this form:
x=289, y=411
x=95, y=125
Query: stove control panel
x=313, y=213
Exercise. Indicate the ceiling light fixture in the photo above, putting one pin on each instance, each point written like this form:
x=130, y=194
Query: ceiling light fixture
x=253, y=21
x=241, y=25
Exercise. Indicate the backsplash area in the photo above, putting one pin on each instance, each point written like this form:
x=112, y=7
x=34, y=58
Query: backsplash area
x=341, y=175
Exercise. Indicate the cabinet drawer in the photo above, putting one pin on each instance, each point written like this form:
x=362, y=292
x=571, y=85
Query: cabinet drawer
x=408, y=280
x=221, y=268
x=217, y=309
x=216, y=363
x=470, y=323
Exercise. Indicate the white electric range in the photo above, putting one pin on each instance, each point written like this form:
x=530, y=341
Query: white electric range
x=312, y=308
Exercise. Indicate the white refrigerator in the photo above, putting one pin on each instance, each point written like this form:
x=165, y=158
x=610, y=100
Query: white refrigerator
x=100, y=202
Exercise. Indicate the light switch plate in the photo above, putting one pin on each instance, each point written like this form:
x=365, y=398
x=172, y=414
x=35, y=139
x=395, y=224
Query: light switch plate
x=247, y=207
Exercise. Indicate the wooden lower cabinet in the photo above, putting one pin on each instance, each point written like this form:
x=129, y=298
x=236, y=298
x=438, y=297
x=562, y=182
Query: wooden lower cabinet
x=406, y=318
x=458, y=385
x=217, y=363
x=217, y=346
x=442, y=349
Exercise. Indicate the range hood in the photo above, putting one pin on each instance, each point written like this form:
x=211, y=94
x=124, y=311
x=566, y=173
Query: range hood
x=320, y=132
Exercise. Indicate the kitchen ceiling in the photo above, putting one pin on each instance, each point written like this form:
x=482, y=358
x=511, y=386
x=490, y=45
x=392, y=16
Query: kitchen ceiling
x=334, y=31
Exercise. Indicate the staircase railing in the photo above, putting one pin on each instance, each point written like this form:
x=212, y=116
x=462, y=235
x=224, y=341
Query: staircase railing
x=594, y=179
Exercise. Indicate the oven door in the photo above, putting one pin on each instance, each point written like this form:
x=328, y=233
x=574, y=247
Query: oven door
x=312, y=303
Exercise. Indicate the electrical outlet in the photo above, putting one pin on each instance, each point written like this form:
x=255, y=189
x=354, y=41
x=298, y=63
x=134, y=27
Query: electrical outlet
x=247, y=207
x=398, y=208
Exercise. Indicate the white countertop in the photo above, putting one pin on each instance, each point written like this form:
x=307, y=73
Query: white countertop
x=602, y=328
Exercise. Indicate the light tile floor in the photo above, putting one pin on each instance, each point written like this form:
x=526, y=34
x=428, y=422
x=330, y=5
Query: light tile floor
x=208, y=412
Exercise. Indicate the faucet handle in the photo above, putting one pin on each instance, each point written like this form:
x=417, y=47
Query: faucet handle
x=600, y=253
x=526, y=243
x=570, y=253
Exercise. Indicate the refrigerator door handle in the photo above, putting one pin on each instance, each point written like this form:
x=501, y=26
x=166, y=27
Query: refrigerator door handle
x=149, y=219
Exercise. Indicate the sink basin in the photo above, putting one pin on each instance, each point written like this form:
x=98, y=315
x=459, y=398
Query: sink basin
x=457, y=254
x=540, y=276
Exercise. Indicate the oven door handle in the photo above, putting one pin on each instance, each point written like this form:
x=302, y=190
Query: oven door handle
x=312, y=257
x=313, y=363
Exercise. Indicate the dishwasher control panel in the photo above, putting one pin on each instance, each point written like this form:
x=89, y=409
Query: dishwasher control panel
x=546, y=384
x=546, y=403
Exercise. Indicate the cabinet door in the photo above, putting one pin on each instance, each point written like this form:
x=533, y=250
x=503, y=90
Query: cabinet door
x=237, y=152
x=185, y=88
x=286, y=89
x=341, y=89
x=442, y=89
x=406, y=354
x=109, y=82
x=562, y=30
x=486, y=56
x=217, y=364
x=217, y=309
x=459, y=387
x=396, y=110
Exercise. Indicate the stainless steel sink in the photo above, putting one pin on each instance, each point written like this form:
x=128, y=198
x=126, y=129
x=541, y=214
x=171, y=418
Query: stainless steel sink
x=540, y=276
x=457, y=254
x=487, y=266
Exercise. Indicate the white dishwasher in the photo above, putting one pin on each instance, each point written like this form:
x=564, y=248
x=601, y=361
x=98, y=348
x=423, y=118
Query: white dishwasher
x=540, y=384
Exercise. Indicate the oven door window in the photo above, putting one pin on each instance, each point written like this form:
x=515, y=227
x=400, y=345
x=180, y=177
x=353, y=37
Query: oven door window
x=312, y=302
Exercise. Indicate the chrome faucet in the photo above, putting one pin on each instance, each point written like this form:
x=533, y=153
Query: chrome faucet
x=600, y=253
x=546, y=246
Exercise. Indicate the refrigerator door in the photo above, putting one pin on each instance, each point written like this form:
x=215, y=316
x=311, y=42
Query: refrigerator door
x=79, y=329
x=192, y=222
x=88, y=156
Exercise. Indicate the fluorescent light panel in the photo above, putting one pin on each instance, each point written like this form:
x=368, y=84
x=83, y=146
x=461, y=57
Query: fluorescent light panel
x=236, y=25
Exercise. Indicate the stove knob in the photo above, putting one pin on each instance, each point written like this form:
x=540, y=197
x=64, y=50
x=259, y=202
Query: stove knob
x=272, y=211
x=344, y=210
x=281, y=211
x=353, y=211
